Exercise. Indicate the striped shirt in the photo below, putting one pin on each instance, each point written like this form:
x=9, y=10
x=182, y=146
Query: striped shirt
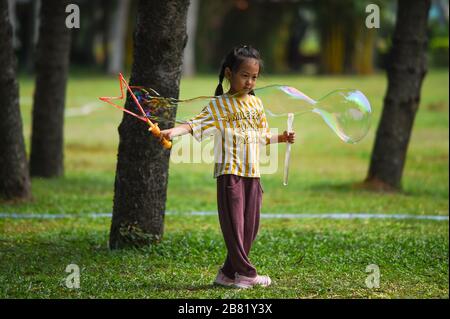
x=239, y=127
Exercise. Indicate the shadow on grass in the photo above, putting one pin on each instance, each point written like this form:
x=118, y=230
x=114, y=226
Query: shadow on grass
x=187, y=287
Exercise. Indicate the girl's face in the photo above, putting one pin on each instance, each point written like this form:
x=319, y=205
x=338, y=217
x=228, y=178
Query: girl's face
x=244, y=79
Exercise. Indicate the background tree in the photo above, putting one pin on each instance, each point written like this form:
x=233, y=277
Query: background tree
x=24, y=17
x=406, y=71
x=14, y=178
x=117, y=37
x=211, y=15
x=106, y=21
x=189, y=68
x=142, y=166
x=264, y=25
x=346, y=44
x=46, y=159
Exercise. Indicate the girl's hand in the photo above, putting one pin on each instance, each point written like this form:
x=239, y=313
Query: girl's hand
x=289, y=137
x=167, y=134
x=170, y=133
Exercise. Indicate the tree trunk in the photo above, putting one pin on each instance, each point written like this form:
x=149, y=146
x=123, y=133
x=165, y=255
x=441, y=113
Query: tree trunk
x=346, y=44
x=14, y=178
x=142, y=166
x=406, y=71
x=118, y=33
x=364, y=52
x=212, y=16
x=333, y=49
x=13, y=21
x=31, y=36
x=334, y=33
x=106, y=21
x=52, y=65
x=189, y=68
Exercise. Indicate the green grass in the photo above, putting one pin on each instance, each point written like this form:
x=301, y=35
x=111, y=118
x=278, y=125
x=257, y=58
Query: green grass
x=306, y=259
x=313, y=258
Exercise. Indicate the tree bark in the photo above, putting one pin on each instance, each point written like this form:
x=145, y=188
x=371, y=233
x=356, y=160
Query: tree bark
x=406, y=71
x=14, y=178
x=52, y=65
x=142, y=166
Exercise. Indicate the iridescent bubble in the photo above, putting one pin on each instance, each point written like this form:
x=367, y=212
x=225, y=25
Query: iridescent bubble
x=346, y=111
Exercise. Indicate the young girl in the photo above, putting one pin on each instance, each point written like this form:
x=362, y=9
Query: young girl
x=238, y=123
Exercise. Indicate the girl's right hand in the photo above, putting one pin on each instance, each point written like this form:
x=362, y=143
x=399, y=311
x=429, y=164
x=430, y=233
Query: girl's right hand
x=170, y=133
x=167, y=134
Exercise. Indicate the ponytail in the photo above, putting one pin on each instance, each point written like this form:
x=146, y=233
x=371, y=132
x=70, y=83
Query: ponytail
x=219, y=88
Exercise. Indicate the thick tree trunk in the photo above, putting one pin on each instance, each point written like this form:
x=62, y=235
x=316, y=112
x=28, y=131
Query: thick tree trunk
x=142, y=166
x=14, y=178
x=52, y=65
x=406, y=71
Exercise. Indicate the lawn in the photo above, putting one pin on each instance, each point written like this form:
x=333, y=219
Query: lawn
x=306, y=258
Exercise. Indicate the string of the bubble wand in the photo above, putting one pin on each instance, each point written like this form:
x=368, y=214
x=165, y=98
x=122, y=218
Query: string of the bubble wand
x=108, y=99
x=154, y=129
x=169, y=101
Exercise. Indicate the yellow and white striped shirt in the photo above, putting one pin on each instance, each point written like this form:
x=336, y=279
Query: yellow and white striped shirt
x=239, y=126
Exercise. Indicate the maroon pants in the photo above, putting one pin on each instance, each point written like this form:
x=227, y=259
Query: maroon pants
x=239, y=203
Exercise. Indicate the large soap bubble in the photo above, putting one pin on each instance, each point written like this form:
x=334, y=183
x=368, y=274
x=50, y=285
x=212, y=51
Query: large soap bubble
x=346, y=111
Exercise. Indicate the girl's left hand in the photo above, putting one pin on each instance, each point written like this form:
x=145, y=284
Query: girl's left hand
x=289, y=138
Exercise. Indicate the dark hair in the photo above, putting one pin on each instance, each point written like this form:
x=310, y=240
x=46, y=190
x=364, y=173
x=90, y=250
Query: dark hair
x=234, y=59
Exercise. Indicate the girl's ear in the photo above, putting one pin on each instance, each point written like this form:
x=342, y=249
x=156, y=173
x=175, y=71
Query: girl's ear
x=228, y=73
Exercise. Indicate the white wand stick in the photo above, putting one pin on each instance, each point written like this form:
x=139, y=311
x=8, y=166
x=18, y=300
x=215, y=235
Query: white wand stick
x=288, y=149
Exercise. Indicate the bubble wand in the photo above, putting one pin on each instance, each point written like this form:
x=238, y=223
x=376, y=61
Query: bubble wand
x=154, y=128
x=287, y=157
